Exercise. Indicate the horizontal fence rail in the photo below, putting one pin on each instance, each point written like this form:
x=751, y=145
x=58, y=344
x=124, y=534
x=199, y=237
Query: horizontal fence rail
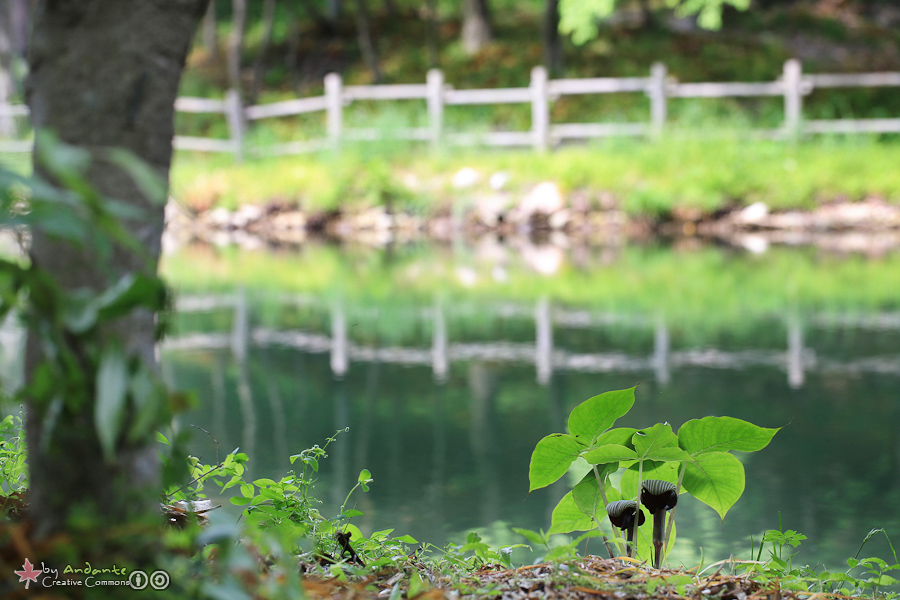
x=792, y=85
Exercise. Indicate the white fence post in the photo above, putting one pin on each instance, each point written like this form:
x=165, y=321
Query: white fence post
x=540, y=109
x=435, y=100
x=544, y=341
x=234, y=113
x=334, y=107
x=440, y=362
x=796, y=377
x=657, y=92
x=792, y=79
x=661, y=352
x=339, y=359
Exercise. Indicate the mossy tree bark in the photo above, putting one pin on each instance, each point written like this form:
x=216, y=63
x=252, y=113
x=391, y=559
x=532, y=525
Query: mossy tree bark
x=103, y=74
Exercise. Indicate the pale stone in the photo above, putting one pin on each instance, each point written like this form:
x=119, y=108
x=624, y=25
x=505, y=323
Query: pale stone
x=544, y=198
x=465, y=177
x=498, y=180
x=755, y=212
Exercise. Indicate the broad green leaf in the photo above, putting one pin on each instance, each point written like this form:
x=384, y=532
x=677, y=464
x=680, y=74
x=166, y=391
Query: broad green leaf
x=588, y=498
x=658, y=443
x=79, y=311
x=552, y=457
x=609, y=453
x=568, y=517
x=595, y=415
x=619, y=435
x=716, y=479
x=131, y=291
x=720, y=434
x=109, y=408
x=666, y=471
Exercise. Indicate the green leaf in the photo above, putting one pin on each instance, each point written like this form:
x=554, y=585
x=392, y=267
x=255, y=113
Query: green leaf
x=407, y=539
x=131, y=291
x=79, y=311
x=716, y=479
x=364, y=478
x=552, y=457
x=619, y=435
x=586, y=494
x=595, y=415
x=568, y=517
x=658, y=443
x=720, y=434
x=109, y=407
x=240, y=500
x=147, y=396
x=609, y=453
x=666, y=471
x=532, y=536
x=147, y=179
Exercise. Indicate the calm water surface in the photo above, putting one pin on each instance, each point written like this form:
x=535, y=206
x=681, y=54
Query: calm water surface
x=446, y=399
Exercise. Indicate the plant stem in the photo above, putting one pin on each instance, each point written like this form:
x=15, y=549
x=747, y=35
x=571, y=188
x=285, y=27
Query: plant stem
x=637, y=506
x=674, y=508
x=602, y=497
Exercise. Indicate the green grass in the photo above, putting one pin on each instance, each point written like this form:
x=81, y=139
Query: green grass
x=646, y=178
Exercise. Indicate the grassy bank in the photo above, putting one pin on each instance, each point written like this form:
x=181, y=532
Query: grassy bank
x=641, y=177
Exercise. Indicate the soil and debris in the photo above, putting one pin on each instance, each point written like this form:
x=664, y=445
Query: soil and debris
x=588, y=578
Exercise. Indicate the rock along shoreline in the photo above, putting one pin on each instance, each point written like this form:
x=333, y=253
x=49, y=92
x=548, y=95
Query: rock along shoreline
x=870, y=226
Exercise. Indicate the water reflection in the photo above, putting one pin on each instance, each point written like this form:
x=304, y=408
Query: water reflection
x=446, y=420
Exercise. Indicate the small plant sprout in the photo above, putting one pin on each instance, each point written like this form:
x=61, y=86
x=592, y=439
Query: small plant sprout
x=659, y=497
x=621, y=514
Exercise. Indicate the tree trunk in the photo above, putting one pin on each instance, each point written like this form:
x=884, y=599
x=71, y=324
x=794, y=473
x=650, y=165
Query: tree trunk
x=14, y=18
x=103, y=75
x=476, y=27
x=236, y=43
x=209, y=34
x=553, y=52
x=259, y=65
x=291, y=61
x=333, y=11
x=366, y=46
x=7, y=124
x=432, y=34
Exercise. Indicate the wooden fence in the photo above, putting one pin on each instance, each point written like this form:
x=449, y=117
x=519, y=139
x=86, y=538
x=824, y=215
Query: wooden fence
x=792, y=85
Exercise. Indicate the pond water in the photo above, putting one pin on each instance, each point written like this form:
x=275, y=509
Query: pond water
x=448, y=365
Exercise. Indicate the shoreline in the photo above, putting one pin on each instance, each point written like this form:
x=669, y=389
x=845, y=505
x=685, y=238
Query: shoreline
x=870, y=226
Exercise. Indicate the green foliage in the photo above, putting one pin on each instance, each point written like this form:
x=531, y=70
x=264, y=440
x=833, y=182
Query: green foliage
x=13, y=467
x=83, y=363
x=866, y=577
x=697, y=458
x=578, y=18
